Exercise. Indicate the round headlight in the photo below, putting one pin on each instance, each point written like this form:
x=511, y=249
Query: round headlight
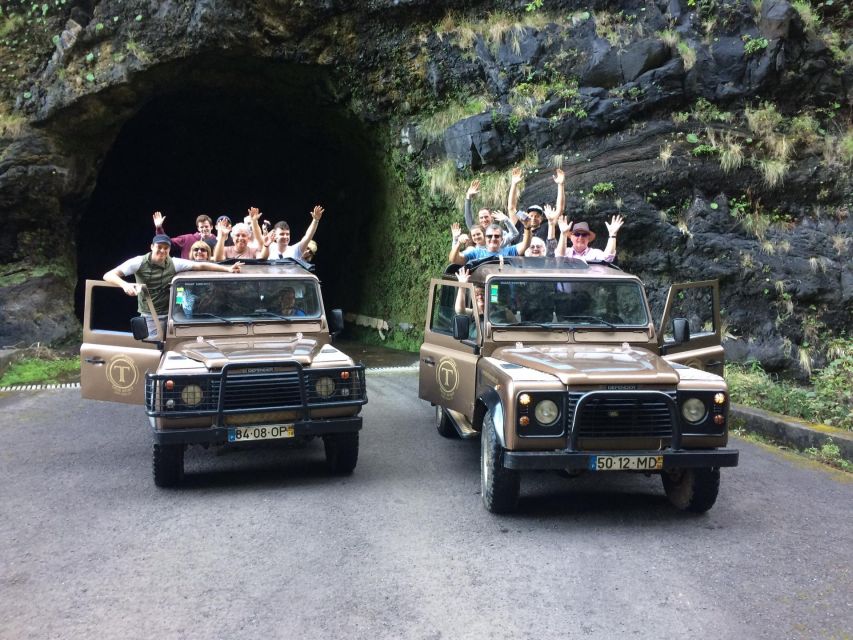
x=191, y=395
x=546, y=412
x=324, y=386
x=693, y=410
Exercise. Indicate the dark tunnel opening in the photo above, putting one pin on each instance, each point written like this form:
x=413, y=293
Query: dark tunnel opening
x=219, y=151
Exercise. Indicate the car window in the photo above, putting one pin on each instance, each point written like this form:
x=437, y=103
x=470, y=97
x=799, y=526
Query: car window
x=448, y=300
x=245, y=300
x=697, y=305
x=560, y=302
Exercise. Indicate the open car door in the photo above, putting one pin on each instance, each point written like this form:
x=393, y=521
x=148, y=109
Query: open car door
x=112, y=362
x=448, y=367
x=689, y=332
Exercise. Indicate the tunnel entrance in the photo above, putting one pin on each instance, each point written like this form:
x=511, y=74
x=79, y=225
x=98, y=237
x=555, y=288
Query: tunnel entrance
x=280, y=146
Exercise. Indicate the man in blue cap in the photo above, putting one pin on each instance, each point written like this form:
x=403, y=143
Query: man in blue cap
x=156, y=270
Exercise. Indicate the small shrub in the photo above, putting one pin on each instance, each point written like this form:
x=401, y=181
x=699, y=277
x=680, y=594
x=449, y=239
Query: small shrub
x=665, y=154
x=670, y=38
x=705, y=111
x=753, y=46
x=804, y=129
x=603, y=188
x=810, y=17
x=731, y=155
x=434, y=126
x=688, y=55
x=773, y=171
x=764, y=119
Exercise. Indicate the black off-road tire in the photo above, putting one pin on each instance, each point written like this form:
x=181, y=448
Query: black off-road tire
x=167, y=464
x=499, y=486
x=443, y=425
x=341, y=453
x=693, y=490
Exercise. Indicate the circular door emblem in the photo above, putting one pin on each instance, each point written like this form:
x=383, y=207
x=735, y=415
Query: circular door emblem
x=122, y=373
x=447, y=377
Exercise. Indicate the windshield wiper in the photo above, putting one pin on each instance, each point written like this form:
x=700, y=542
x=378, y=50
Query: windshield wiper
x=212, y=315
x=588, y=319
x=264, y=312
x=526, y=323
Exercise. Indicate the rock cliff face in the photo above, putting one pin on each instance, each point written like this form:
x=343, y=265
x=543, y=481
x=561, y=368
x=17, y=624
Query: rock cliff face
x=720, y=129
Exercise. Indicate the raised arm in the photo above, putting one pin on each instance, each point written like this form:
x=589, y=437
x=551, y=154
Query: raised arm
x=257, y=234
x=222, y=231
x=473, y=190
x=551, y=243
x=316, y=214
x=521, y=247
x=459, y=307
x=613, y=227
x=512, y=200
x=510, y=232
x=565, y=230
x=560, y=179
x=456, y=256
x=159, y=219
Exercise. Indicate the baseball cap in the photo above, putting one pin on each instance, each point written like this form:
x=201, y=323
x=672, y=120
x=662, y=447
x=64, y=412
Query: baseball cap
x=161, y=238
x=223, y=218
x=537, y=208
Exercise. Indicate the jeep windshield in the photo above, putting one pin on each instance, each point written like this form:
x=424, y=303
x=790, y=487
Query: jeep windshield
x=245, y=300
x=561, y=303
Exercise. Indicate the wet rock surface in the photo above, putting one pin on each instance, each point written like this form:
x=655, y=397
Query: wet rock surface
x=608, y=82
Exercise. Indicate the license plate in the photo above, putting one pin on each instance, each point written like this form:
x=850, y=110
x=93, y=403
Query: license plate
x=262, y=432
x=626, y=463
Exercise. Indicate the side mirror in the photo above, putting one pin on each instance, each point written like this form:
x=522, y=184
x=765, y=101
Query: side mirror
x=139, y=328
x=336, y=321
x=680, y=330
x=461, y=326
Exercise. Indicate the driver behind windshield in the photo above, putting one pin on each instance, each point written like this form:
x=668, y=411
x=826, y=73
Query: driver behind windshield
x=288, y=303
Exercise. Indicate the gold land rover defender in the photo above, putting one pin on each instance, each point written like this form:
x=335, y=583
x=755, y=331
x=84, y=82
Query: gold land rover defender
x=556, y=364
x=246, y=360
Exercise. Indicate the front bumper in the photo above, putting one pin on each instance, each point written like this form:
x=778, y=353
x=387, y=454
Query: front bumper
x=219, y=435
x=680, y=459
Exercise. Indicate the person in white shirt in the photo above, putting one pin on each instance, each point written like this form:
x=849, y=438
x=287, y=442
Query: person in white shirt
x=581, y=236
x=281, y=247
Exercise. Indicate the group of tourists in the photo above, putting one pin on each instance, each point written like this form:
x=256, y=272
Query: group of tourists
x=496, y=233
x=244, y=240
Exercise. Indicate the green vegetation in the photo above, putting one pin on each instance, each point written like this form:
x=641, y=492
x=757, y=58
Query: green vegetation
x=688, y=55
x=434, y=126
x=603, y=188
x=830, y=453
x=42, y=371
x=753, y=46
x=829, y=400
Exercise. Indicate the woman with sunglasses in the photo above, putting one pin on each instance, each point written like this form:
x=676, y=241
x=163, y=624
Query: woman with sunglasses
x=200, y=251
x=581, y=235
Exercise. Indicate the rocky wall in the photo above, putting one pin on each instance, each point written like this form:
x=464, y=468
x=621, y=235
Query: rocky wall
x=720, y=129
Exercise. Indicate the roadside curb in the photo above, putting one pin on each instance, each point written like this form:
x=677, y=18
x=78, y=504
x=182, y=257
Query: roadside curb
x=797, y=434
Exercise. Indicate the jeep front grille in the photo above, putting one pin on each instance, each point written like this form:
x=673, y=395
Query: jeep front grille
x=611, y=414
x=280, y=387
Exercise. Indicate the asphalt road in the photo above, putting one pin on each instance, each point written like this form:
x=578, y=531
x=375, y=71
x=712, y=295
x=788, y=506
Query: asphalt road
x=266, y=545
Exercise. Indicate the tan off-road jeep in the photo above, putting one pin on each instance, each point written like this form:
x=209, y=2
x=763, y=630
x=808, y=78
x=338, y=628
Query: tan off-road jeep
x=560, y=367
x=246, y=360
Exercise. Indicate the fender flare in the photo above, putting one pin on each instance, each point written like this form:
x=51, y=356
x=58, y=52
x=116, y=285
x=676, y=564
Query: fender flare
x=494, y=406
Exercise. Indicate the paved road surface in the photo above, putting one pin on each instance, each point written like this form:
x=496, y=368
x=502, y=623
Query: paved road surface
x=265, y=545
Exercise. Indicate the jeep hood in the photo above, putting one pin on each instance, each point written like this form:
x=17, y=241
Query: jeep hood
x=216, y=353
x=581, y=364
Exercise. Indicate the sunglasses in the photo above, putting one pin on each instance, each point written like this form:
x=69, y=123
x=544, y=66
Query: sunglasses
x=580, y=235
x=497, y=235
x=202, y=250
